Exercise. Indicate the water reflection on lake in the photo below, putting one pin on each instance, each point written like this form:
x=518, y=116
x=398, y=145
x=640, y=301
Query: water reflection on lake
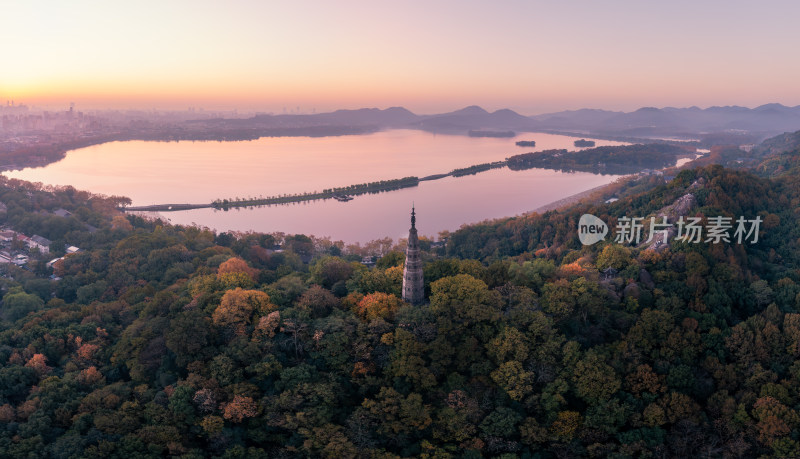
x=198, y=172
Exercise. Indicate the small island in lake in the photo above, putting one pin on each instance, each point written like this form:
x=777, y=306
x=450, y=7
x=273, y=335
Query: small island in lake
x=622, y=159
x=477, y=133
x=584, y=143
x=526, y=143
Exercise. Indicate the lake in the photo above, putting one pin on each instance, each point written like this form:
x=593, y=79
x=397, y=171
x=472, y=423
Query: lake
x=200, y=172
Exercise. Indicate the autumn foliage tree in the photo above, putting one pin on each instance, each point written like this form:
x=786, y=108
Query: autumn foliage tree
x=239, y=409
x=377, y=305
x=39, y=363
x=236, y=272
x=239, y=308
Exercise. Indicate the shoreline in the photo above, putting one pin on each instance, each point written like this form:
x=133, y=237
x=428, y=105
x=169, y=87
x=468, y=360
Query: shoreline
x=568, y=201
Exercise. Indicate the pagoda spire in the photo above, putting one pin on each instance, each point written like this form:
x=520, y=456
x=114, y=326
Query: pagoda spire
x=413, y=286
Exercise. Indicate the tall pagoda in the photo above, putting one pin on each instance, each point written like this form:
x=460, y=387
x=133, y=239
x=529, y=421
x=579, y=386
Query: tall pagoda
x=413, y=286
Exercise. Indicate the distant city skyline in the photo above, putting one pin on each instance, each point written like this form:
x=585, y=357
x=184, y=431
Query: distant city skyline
x=430, y=57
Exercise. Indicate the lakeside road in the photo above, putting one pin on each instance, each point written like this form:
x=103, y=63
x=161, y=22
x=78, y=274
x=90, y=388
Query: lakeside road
x=568, y=201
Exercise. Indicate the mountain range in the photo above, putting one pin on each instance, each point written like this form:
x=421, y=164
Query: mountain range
x=692, y=122
x=769, y=118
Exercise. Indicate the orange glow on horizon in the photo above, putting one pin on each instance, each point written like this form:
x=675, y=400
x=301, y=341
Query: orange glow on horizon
x=429, y=58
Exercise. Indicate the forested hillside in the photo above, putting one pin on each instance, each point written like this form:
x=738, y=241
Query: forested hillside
x=156, y=340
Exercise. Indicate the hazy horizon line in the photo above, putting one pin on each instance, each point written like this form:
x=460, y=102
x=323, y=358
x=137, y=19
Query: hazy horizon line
x=298, y=110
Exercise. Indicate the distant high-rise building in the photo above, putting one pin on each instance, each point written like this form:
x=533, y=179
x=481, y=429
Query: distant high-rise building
x=413, y=286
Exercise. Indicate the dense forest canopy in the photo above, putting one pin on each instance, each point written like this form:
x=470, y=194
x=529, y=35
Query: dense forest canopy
x=157, y=340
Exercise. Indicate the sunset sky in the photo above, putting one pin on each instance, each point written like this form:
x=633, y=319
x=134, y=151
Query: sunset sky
x=429, y=56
